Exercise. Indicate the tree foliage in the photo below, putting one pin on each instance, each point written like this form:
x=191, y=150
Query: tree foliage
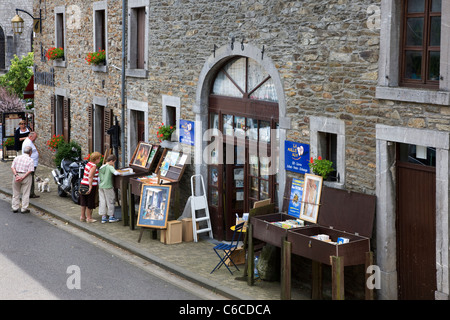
x=19, y=74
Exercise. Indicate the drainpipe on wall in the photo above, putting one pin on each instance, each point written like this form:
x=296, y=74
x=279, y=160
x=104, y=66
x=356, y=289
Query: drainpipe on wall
x=122, y=136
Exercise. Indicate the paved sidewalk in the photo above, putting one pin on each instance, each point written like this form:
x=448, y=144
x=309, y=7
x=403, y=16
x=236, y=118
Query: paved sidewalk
x=193, y=261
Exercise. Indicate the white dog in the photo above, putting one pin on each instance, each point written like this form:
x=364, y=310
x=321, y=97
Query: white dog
x=43, y=184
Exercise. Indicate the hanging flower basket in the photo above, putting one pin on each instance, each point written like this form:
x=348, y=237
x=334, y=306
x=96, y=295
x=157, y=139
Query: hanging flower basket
x=55, y=53
x=96, y=58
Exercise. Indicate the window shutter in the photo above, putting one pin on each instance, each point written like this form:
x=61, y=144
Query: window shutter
x=108, y=117
x=90, y=128
x=52, y=114
x=140, y=64
x=66, y=117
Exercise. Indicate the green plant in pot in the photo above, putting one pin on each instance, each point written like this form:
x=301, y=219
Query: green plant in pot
x=321, y=167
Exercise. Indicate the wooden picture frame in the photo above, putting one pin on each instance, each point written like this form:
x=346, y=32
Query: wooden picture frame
x=312, y=190
x=141, y=155
x=154, y=206
x=171, y=165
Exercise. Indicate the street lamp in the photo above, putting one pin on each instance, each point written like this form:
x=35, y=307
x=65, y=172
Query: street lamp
x=17, y=22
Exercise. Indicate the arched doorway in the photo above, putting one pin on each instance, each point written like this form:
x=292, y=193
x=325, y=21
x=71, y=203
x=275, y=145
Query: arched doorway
x=244, y=114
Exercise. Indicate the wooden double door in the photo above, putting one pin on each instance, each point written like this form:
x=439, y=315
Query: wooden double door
x=243, y=167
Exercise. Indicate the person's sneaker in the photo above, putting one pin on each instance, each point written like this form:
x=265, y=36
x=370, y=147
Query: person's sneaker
x=113, y=219
x=104, y=219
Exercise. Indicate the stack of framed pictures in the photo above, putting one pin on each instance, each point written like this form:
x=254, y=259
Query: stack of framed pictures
x=141, y=163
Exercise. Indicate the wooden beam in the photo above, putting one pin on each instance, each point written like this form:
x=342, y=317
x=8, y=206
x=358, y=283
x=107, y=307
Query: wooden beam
x=286, y=270
x=337, y=274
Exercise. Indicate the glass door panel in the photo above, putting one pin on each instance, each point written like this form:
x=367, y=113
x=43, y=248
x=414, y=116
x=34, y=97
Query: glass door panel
x=264, y=131
x=227, y=125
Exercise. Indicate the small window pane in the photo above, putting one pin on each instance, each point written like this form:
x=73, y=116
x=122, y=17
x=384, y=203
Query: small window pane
x=224, y=86
x=214, y=176
x=414, y=31
x=436, y=6
x=236, y=70
x=435, y=32
x=227, y=125
x=254, y=188
x=434, y=64
x=254, y=165
x=252, y=130
x=265, y=92
x=239, y=127
x=415, y=6
x=264, y=131
x=255, y=74
x=413, y=64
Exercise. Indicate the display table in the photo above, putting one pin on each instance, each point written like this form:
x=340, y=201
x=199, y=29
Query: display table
x=141, y=163
x=342, y=214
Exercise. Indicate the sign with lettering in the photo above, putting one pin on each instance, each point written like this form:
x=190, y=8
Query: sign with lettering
x=295, y=198
x=296, y=157
x=187, y=135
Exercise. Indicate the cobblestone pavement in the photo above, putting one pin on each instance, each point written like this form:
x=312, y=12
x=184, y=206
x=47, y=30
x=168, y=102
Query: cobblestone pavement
x=191, y=260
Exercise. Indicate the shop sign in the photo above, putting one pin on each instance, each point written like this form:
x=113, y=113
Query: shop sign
x=296, y=157
x=187, y=134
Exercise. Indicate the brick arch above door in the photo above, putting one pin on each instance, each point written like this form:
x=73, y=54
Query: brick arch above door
x=206, y=79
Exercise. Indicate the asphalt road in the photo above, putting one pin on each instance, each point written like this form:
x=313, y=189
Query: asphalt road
x=43, y=258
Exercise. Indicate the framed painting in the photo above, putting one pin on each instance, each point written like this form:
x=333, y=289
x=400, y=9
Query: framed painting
x=154, y=206
x=312, y=190
x=141, y=155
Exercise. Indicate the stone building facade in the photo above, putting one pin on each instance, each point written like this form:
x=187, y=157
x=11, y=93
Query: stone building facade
x=11, y=44
x=332, y=68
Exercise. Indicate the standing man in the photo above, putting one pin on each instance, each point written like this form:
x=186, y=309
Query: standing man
x=29, y=142
x=22, y=168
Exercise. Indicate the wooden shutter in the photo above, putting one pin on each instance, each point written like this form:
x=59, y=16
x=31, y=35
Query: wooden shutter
x=91, y=128
x=108, y=118
x=140, y=47
x=66, y=120
x=52, y=114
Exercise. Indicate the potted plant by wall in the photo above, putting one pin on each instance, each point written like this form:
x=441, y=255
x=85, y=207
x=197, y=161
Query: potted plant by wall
x=164, y=135
x=96, y=58
x=321, y=167
x=55, y=53
x=9, y=144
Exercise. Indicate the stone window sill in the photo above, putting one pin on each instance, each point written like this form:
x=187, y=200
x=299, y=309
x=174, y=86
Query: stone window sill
x=413, y=95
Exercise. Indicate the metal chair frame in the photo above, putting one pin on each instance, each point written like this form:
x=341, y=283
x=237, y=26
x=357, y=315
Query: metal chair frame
x=228, y=249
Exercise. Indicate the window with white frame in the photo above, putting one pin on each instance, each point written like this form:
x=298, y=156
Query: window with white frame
x=137, y=65
x=100, y=29
x=327, y=139
x=413, y=47
x=60, y=34
x=171, y=111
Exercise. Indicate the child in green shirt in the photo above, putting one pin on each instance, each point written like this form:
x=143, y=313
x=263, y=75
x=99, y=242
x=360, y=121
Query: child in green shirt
x=106, y=193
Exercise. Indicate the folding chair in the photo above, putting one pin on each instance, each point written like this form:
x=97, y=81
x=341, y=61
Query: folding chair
x=228, y=249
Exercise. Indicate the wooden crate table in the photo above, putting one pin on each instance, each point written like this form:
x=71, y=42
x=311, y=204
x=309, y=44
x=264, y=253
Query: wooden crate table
x=341, y=214
x=140, y=168
x=169, y=171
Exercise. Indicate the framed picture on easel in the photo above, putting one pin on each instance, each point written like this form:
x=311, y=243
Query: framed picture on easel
x=312, y=190
x=154, y=206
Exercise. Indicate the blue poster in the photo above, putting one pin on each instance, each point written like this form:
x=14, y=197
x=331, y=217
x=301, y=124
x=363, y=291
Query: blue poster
x=296, y=157
x=295, y=198
x=187, y=135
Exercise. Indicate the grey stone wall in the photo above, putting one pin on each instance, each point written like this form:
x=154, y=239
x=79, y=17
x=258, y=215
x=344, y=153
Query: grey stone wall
x=16, y=44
